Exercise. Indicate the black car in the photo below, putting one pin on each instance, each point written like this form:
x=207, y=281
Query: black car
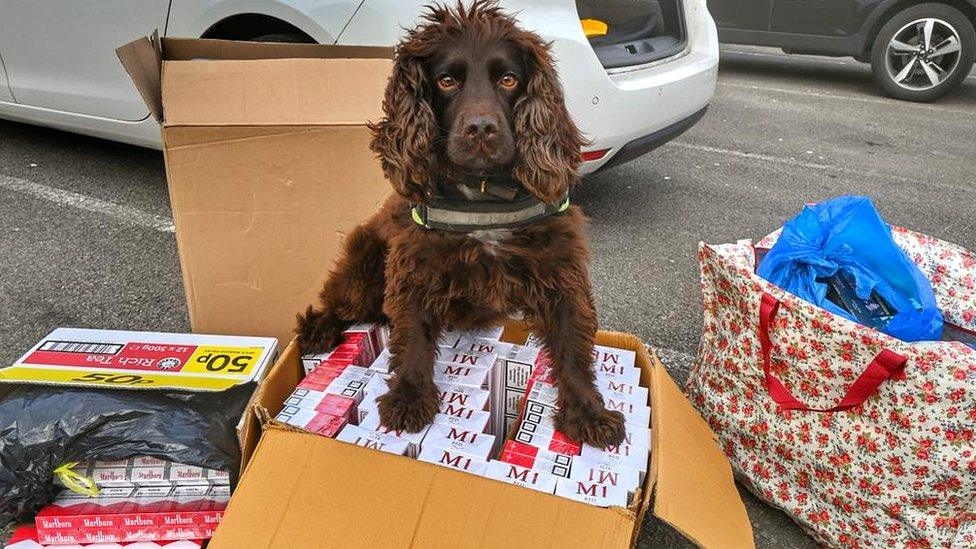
x=917, y=51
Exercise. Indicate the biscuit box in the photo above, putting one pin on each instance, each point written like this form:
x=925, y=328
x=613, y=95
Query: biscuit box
x=254, y=135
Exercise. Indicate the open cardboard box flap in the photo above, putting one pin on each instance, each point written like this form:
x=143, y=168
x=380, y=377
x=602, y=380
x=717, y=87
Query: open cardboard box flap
x=268, y=165
x=302, y=490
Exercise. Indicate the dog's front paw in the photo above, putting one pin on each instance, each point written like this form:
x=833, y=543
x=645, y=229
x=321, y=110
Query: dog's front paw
x=318, y=331
x=408, y=407
x=593, y=425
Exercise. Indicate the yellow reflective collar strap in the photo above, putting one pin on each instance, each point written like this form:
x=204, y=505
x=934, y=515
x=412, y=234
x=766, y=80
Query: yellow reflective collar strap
x=463, y=216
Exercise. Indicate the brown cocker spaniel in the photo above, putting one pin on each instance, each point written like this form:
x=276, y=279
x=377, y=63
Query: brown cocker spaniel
x=474, y=112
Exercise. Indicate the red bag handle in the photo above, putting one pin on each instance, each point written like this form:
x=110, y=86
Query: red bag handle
x=883, y=367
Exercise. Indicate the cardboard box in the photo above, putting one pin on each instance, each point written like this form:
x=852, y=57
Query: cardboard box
x=689, y=485
x=254, y=135
x=260, y=142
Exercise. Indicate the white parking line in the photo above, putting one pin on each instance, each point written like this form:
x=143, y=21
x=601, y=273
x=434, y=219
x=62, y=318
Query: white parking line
x=788, y=161
x=126, y=214
x=886, y=102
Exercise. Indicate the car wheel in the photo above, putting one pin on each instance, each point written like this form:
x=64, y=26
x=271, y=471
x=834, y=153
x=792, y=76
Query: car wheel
x=923, y=52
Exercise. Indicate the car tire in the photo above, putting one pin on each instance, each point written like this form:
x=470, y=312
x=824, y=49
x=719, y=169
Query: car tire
x=905, y=70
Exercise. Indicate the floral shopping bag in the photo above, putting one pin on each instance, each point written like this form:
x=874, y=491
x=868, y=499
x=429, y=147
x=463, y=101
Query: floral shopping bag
x=865, y=440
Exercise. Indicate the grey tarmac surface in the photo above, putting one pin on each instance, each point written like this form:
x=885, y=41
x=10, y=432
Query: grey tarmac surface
x=781, y=131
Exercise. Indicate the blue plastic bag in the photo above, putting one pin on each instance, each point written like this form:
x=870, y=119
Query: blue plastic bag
x=847, y=233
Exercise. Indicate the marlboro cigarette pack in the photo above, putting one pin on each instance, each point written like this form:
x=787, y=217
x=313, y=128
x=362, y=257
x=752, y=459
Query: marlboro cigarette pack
x=471, y=443
x=521, y=476
x=455, y=460
x=313, y=421
x=354, y=434
x=118, y=520
x=603, y=495
x=25, y=537
x=145, y=472
x=414, y=440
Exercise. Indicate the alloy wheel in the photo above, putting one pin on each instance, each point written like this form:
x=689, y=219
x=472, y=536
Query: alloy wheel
x=923, y=54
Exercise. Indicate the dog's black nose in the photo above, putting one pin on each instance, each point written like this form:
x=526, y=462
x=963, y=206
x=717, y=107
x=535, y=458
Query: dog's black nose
x=481, y=127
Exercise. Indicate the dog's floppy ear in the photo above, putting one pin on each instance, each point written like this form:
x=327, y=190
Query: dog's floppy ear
x=402, y=138
x=546, y=138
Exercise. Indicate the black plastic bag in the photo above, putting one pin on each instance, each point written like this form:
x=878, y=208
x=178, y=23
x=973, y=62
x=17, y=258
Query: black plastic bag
x=44, y=426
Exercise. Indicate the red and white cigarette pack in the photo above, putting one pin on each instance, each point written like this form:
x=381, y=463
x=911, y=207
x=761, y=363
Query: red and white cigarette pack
x=414, y=440
x=313, y=421
x=468, y=442
x=392, y=444
x=462, y=417
x=521, y=476
x=602, y=495
x=121, y=520
x=450, y=338
x=535, y=458
x=470, y=343
x=624, y=456
x=360, y=345
x=321, y=401
x=604, y=473
x=460, y=374
x=452, y=459
x=146, y=471
x=465, y=358
x=382, y=362
x=462, y=395
x=25, y=537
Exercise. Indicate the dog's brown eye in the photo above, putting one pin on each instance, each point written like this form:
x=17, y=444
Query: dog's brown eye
x=446, y=82
x=508, y=81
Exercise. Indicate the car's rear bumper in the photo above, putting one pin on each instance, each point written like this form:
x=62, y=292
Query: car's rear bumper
x=616, y=107
x=642, y=145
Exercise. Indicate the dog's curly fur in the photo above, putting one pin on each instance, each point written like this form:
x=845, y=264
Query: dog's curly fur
x=425, y=280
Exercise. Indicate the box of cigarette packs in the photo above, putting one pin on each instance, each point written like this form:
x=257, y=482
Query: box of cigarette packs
x=596, y=479
x=117, y=520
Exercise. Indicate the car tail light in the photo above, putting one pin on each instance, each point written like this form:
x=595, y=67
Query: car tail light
x=590, y=156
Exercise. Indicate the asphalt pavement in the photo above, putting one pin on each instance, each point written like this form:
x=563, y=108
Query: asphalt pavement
x=85, y=238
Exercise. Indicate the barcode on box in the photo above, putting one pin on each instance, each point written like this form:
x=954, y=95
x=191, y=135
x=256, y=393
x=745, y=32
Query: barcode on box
x=89, y=348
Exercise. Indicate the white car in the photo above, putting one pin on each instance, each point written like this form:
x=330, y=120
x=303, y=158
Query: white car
x=635, y=83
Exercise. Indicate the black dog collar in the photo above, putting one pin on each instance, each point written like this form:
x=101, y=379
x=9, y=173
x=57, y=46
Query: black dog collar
x=463, y=216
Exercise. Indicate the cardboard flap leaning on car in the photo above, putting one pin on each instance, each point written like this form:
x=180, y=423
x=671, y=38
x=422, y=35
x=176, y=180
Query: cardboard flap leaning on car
x=268, y=163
